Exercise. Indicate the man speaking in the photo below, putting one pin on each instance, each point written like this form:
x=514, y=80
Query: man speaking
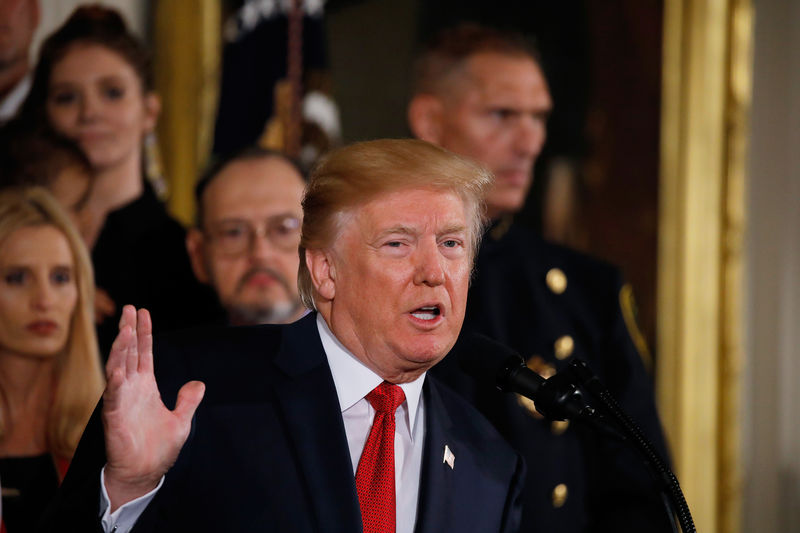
x=330, y=423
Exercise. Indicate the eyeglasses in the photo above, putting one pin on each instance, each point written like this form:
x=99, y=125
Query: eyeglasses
x=236, y=236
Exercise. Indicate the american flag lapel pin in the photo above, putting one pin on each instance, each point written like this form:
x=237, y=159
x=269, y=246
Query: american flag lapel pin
x=449, y=458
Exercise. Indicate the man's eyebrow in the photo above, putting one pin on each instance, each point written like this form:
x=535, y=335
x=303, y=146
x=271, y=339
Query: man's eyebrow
x=407, y=230
x=226, y=220
x=240, y=218
x=453, y=228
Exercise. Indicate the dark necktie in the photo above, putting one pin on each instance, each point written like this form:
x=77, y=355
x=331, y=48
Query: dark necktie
x=375, y=473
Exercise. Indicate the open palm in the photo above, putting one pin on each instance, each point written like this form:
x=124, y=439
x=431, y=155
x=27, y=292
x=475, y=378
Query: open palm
x=143, y=437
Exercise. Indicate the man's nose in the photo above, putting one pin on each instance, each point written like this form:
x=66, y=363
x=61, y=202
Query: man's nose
x=261, y=247
x=429, y=268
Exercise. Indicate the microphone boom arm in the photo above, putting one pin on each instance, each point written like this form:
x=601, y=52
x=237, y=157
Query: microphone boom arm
x=560, y=398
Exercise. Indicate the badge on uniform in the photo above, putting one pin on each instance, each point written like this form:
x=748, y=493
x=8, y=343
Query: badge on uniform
x=449, y=458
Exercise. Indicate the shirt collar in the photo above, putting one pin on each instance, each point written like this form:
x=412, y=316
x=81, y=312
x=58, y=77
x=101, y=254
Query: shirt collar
x=353, y=380
x=12, y=101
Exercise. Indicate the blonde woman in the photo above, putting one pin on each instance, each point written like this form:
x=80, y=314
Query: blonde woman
x=50, y=372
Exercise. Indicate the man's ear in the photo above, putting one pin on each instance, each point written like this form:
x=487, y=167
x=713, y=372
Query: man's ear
x=323, y=272
x=195, y=245
x=425, y=113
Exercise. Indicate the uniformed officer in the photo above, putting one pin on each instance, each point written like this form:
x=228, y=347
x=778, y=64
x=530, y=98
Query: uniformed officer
x=482, y=93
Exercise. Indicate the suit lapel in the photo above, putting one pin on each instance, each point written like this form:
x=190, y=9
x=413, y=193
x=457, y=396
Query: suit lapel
x=310, y=405
x=436, y=480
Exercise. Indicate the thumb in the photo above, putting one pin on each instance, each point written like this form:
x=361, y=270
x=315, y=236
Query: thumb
x=189, y=398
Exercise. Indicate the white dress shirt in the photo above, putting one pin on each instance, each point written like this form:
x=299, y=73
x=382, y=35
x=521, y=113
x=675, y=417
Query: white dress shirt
x=353, y=381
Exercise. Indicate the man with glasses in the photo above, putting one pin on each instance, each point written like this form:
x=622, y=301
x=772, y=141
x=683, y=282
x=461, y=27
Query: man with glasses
x=248, y=230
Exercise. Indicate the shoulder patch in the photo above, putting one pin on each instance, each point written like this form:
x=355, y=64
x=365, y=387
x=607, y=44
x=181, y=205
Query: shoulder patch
x=628, y=306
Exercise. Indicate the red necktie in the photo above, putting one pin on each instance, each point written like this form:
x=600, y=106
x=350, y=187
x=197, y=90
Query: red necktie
x=375, y=473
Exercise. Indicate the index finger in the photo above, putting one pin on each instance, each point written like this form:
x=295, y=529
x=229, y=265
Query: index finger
x=119, y=352
x=144, y=338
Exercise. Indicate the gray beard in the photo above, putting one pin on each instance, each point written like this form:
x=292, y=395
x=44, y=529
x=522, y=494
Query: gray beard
x=251, y=315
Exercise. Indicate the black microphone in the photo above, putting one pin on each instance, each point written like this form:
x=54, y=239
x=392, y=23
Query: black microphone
x=559, y=398
x=489, y=361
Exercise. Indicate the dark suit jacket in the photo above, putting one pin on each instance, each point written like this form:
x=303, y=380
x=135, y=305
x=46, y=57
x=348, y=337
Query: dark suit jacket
x=267, y=451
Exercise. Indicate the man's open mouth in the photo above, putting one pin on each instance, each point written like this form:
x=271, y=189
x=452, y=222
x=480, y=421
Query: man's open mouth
x=427, y=312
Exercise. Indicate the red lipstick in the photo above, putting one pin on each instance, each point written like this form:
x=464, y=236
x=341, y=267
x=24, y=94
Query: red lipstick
x=42, y=327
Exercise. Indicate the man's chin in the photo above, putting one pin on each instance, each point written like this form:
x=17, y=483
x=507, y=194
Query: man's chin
x=427, y=351
x=502, y=204
x=249, y=315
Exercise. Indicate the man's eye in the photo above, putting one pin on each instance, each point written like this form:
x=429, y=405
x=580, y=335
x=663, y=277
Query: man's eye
x=286, y=228
x=394, y=244
x=502, y=114
x=232, y=233
x=15, y=277
x=451, y=243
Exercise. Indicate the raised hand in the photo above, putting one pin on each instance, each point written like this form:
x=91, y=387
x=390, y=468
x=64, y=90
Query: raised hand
x=143, y=437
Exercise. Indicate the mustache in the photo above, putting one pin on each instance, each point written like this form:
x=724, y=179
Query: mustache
x=263, y=270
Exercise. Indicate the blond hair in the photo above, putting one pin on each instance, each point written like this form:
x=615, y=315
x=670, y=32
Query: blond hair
x=78, y=374
x=353, y=175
